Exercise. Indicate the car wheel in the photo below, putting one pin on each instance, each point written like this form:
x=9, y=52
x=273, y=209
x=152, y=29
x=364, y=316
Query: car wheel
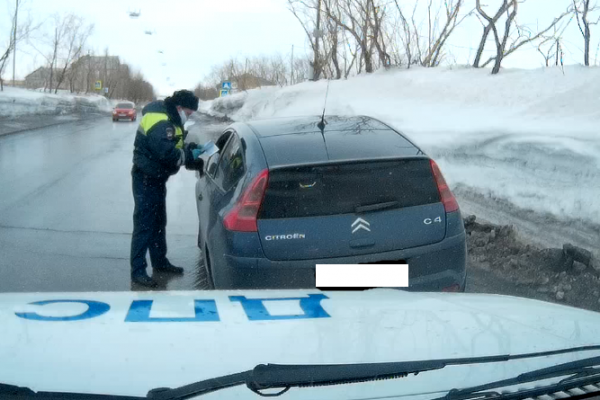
x=207, y=268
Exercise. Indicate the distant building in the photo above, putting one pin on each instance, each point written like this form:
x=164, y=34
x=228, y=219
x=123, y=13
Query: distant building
x=88, y=69
x=40, y=78
x=81, y=77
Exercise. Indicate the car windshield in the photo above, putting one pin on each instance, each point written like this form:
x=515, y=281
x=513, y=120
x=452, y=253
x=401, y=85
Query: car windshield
x=190, y=189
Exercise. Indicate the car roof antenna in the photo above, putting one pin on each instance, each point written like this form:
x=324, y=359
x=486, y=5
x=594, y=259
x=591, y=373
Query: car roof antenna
x=322, y=123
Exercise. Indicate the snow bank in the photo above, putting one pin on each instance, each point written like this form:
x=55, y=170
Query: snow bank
x=16, y=102
x=529, y=136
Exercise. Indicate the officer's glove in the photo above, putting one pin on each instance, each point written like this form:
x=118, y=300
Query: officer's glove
x=193, y=162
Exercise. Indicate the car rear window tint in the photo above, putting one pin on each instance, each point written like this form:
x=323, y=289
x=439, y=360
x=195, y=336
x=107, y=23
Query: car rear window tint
x=339, y=189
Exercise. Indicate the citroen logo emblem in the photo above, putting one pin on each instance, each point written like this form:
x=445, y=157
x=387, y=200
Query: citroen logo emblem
x=360, y=224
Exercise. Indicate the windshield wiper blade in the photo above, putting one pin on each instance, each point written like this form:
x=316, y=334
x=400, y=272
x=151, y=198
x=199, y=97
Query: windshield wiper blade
x=25, y=393
x=284, y=377
x=579, y=373
x=201, y=387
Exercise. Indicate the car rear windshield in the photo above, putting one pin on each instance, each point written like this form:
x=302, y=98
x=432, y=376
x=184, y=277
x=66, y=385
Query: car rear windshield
x=125, y=105
x=339, y=189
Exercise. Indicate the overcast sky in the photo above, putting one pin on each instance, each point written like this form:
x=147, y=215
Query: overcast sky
x=196, y=34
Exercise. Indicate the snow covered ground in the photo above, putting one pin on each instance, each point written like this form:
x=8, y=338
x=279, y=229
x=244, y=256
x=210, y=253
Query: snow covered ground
x=17, y=102
x=529, y=137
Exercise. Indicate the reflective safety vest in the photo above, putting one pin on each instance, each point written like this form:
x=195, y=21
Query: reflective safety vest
x=153, y=118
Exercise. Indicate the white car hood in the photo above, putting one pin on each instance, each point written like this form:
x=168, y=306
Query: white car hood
x=121, y=349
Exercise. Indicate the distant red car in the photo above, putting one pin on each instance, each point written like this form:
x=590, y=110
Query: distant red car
x=124, y=111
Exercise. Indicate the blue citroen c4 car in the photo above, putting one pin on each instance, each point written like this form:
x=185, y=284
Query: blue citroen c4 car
x=285, y=194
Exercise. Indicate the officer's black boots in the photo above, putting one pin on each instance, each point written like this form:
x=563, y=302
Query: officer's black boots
x=144, y=280
x=169, y=268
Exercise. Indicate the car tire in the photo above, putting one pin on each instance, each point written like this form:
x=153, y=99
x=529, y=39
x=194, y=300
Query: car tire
x=208, y=270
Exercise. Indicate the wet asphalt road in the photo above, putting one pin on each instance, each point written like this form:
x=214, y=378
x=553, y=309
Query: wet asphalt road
x=66, y=209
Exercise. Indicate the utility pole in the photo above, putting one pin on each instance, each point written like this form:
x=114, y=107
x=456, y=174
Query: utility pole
x=292, y=67
x=15, y=40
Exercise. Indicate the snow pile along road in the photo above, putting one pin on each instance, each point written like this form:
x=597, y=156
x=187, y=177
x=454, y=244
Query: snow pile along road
x=522, y=139
x=16, y=102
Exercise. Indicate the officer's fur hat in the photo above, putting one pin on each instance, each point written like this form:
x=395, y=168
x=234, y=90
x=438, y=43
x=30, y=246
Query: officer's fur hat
x=183, y=98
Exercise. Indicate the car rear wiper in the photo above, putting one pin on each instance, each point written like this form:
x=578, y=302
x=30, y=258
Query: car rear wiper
x=578, y=374
x=376, y=207
x=284, y=377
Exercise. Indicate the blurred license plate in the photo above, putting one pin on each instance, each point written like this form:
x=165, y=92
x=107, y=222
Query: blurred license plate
x=122, y=115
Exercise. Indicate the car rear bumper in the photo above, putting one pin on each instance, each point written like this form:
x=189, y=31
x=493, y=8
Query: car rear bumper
x=433, y=267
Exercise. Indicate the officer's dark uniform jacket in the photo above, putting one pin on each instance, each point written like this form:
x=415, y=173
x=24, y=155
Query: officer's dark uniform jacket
x=158, y=141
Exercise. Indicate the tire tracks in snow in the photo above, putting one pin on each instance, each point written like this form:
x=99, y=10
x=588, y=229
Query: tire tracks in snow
x=547, y=190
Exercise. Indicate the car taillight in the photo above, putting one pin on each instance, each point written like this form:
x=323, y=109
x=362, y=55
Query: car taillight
x=242, y=218
x=448, y=199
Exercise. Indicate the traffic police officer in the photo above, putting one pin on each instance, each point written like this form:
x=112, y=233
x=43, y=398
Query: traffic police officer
x=159, y=152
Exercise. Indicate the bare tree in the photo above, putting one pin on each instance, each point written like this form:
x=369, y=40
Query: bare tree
x=408, y=34
x=582, y=10
x=331, y=43
x=89, y=72
x=18, y=33
x=487, y=27
x=437, y=40
x=549, y=46
x=354, y=17
x=54, y=43
x=205, y=92
x=308, y=13
x=524, y=35
x=377, y=20
x=443, y=18
x=75, y=35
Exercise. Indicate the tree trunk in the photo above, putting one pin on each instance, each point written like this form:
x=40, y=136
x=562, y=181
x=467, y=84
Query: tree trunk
x=316, y=62
x=497, y=63
x=491, y=24
x=51, y=77
x=368, y=61
x=486, y=32
x=334, y=57
x=587, y=44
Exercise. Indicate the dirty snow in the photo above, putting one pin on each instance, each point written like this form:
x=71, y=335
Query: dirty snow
x=527, y=136
x=17, y=102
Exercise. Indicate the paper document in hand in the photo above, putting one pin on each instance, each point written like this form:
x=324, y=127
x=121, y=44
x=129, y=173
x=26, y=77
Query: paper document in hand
x=209, y=149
